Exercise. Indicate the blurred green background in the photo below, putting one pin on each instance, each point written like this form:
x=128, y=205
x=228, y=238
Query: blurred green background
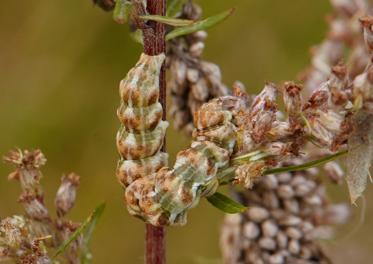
x=60, y=64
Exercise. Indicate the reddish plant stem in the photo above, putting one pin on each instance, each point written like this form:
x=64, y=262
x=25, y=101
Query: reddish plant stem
x=154, y=44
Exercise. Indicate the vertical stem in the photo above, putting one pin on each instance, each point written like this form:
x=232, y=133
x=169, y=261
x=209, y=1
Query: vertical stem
x=154, y=44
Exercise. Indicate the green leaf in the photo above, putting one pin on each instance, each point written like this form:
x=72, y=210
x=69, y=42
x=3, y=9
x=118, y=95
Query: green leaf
x=174, y=6
x=168, y=20
x=199, y=25
x=85, y=229
x=307, y=165
x=122, y=11
x=86, y=254
x=226, y=204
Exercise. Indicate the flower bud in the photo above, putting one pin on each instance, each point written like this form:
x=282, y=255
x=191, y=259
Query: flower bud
x=334, y=171
x=292, y=98
x=278, y=149
x=363, y=85
x=196, y=49
x=200, y=35
x=280, y=130
x=66, y=194
x=262, y=113
x=367, y=23
x=338, y=83
x=192, y=75
x=200, y=90
x=340, y=30
x=34, y=207
x=248, y=173
x=337, y=214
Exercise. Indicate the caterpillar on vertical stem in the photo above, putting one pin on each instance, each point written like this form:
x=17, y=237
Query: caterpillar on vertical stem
x=164, y=197
x=141, y=135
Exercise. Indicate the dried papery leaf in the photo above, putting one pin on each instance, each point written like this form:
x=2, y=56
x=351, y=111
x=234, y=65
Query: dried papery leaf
x=360, y=155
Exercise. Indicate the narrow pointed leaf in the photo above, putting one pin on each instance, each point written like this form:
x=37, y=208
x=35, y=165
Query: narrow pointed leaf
x=88, y=232
x=174, y=6
x=226, y=204
x=226, y=175
x=306, y=165
x=168, y=20
x=199, y=25
x=85, y=229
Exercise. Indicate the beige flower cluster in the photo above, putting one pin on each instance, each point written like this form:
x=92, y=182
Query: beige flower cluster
x=26, y=239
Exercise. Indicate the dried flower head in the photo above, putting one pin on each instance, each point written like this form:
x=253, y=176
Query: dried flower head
x=13, y=230
x=26, y=239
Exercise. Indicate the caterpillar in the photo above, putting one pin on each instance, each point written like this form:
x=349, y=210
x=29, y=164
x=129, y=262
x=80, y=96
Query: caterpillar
x=224, y=126
x=164, y=197
x=140, y=137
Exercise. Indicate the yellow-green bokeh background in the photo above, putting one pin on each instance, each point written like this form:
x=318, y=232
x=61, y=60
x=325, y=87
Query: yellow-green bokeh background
x=60, y=64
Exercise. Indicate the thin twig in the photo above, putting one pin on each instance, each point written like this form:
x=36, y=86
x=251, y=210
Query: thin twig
x=154, y=44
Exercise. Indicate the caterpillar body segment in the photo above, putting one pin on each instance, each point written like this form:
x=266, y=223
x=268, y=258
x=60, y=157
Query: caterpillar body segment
x=140, y=88
x=130, y=170
x=141, y=135
x=140, y=118
x=144, y=144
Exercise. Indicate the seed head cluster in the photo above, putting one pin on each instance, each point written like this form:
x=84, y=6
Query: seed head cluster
x=288, y=213
x=193, y=81
x=27, y=239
